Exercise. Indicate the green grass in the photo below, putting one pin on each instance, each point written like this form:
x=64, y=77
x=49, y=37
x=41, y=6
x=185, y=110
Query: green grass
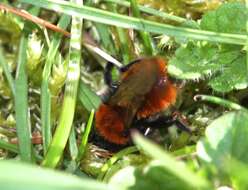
x=150, y=11
x=145, y=36
x=45, y=92
x=85, y=137
x=63, y=129
x=8, y=146
x=21, y=104
x=107, y=17
x=7, y=72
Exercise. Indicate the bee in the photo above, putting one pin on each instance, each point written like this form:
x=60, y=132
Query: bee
x=143, y=90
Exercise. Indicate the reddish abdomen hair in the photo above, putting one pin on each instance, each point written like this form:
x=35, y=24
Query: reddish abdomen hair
x=110, y=125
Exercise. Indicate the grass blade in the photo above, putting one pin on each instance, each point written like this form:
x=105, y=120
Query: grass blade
x=73, y=145
x=246, y=3
x=86, y=135
x=114, y=159
x=8, y=146
x=45, y=92
x=105, y=36
x=23, y=127
x=145, y=36
x=124, y=40
x=104, y=33
x=150, y=11
x=62, y=132
x=21, y=103
x=7, y=72
x=110, y=18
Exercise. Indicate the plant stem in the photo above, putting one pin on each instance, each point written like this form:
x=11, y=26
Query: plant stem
x=219, y=101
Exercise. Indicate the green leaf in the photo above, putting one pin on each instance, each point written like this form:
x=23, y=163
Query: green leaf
x=233, y=76
x=226, y=139
x=153, y=176
x=168, y=169
x=238, y=172
x=194, y=61
x=36, y=178
x=229, y=18
x=224, y=65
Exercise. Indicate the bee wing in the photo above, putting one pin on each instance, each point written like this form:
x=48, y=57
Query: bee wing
x=136, y=82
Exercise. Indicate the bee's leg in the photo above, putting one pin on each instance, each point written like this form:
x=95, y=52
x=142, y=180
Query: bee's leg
x=163, y=121
x=182, y=126
x=181, y=121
